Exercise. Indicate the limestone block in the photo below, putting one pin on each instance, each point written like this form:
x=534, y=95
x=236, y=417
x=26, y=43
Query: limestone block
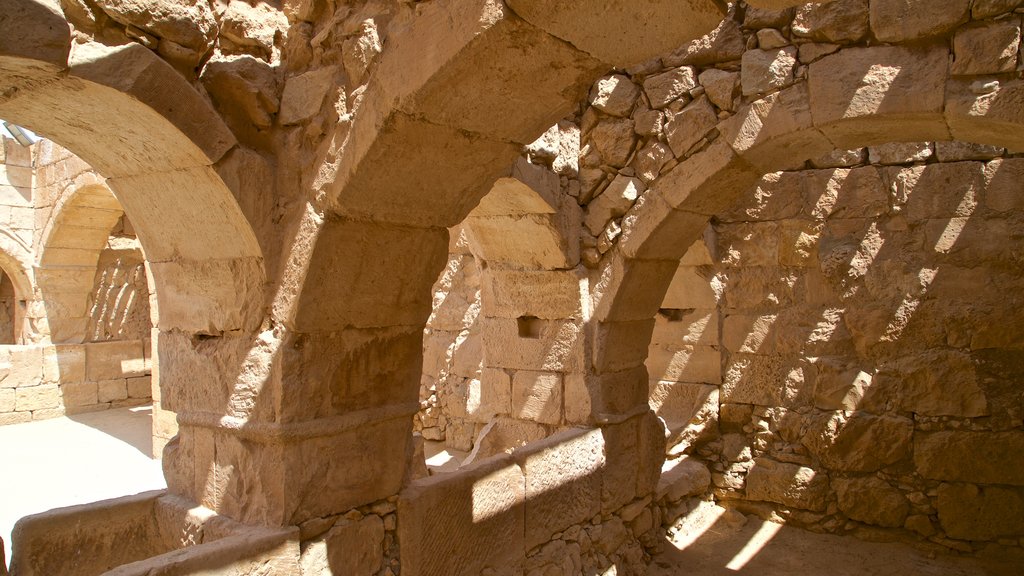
x=842, y=193
x=674, y=327
x=941, y=383
x=36, y=30
x=960, y=151
x=692, y=123
x=939, y=190
x=900, y=153
x=530, y=241
x=579, y=404
x=140, y=388
x=350, y=547
x=634, y=455
x=564, y=476
x=78, y=394
x=612, y=395
x=173, y=125
x=614, y=202
x=748, y=244
x=64, y=363
x=886, y=86
x=982, y=9
x=504, y=435
x=681, y=478
x=623, y=33
x=840, y=21
x=843, y=385
x=661, y=89
x=15, y=418
x=675, y=363
x=352, y=276
x=721, y=87
x=767, y=70
x=614, y=139
x=964, y=456
x=489, y=396
x=651, y=158
x=112, y=360
x=537, y=396
x=26, y=367
x=558, y=348
x=871, y=500
x=690, y=290
x=970, y=512
x=861, y=442
x=464, y=40
x=7, y=400
x=652, y=229
x=907, y=20
x=708, y=182
x=621, y=346
x=112, y=390
x=787, y=484
x=722, y=44
x=458, y=165
x=304, y=95
x=39, y=397
x=445, y=521
x=515, y=293
x=770, y=380
x=614, y=94
x=245, y=90
x=190, y=24
x=1002, y=188
x=328, y=374
x=681, y=403
x=986, y=48
x=255, y=26
x=984, y=112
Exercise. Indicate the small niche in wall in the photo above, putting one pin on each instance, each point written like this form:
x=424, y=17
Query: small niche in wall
x=673, y=315
x=529, y=327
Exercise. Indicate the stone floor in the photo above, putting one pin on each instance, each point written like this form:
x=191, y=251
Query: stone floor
x=74, y=460
x=715, y=542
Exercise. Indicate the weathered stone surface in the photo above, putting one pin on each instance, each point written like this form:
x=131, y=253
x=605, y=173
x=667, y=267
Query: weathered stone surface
x=445, y=521
x=720, y=87
x=905, y=85
x=787, y=484
x=839, y=21
x=982, y=9
x=766, y=70
x=969, y=456
x=185, y=22
x=614, y=94
x=248, y=25
x=692, y=123
x=970, y=512
x=537, y=396
x=900, y=153
x=304, y=95
x=871, y=500
x=350, y=547
x=860, y=443
x=907, y=20
x=614, y=202
x=663, y=88
x=986, y=48
x=681, y=478
x=722, y=44
x=518, y=293
x=941, y=383
x=564, y=476
x=620, y=33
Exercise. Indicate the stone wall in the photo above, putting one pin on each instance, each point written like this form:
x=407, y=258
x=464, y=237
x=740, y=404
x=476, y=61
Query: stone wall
x=855, y=331
x=46, y=381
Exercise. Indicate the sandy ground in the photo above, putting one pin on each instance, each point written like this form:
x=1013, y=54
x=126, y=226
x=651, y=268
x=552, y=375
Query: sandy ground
x=74, y=460
x=714, y=543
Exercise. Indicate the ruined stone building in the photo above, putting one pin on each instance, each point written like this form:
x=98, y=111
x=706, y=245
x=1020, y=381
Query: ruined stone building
x=623, y=259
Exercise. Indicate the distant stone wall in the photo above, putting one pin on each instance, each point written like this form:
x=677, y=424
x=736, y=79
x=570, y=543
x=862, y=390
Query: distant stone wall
x=40, y=382
x=856, y=331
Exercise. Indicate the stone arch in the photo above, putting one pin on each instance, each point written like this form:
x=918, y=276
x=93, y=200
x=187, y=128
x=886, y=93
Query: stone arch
x=854, y=98
x=136, y=121
x=15, y=260
x=70, y=249
x=435, y=129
